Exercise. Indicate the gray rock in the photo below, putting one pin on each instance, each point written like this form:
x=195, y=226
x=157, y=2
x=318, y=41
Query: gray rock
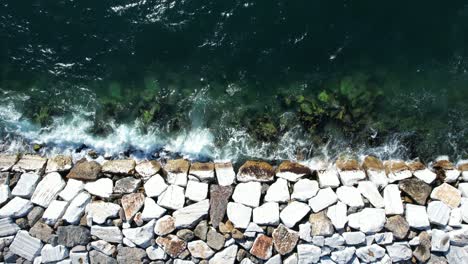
x=71, y=236
x=96, y=257
x=130, y=255
x=384, y=238
x=127, y=185
x=41, y=231
x=201, y=230
x=214, y=239
x=398, y=226
x=26, y=246
x=185, y=234
x=34, y=215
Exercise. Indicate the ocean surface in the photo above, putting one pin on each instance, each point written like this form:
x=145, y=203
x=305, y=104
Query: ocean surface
x=232, y=80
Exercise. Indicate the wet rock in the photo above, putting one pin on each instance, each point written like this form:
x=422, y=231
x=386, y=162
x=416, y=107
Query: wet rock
x=219, y=197
x=151, y=210
x=400, y=251
x=447, y=194
x=148, y=168
x=369, y=190
x=196, y=191
x=177, y=171
x=203, y=171
x=416, y=216
x=111, y=234
x=415, y=188
x=226, y=256
x=338, y=215
x=258, y=171
x=189, y=216
x=85, y=170
x=131, y=204
x=369, y=220
x=350, y=196
x=26, y=185
x=172, y=198
x=102, y=187
x=71, y=236
x=239, y=214
x=225, y=173
x=266, y=214
x=71, y=190
x=262, y=247
x=397, y=170
x=15, y=208
x=50, y=253
x=304, y=189
x=214, y=239
x=54, y=212
x=140, y=236
x=398, y=226
x=59, y=163
x=76, y=208
x=320, y=224
x=7, y=161
x=328, y=178
x=30, y=163
x=125, y=167
x=372, y=163
x=440, y=241
x=26, y=246
x=292, y=171
x=308, y=253
x=392, y=200
x=130, y=255
x=100, y=211
x=370, y=254
x=284, y=239
x=172, y=245
x=278, y=192
x=199, y=249
x=103, y=247
x=293, y=213
x=127, y=185
x=324, y=198
x=47, y=189
x=438, y=213
x=164, y=225
x=248, y=193
x=7, y=227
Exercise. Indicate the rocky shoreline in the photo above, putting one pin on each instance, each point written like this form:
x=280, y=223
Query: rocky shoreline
x=125, y=211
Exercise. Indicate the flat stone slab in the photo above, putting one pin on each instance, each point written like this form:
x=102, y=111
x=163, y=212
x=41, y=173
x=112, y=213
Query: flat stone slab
x=30, y=163
x=7, y=161
x=26, y=246
x=124, y=167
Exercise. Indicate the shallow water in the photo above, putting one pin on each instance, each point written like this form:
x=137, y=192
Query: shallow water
x=234, y=80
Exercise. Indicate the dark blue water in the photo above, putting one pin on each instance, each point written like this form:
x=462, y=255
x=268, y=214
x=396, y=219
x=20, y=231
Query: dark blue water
x=235, y=79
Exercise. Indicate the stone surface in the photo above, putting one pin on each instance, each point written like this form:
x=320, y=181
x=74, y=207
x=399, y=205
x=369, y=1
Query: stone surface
x=172, y=245
x=125, y=167
x=304, y=189
x=131, y=204
x=172, y=198
x=111, y=234
x=438, y=213
x=47, y=189
x=219, y=197
x=398, y=226
x=247, y=193
x=130, y=255
x=148, y=168
x=226, y=256
x=156, y=253
x=321, y=225
x=266, y=214
x=423, y=250
x=292, y=171
x=369, y=220
x=379, y=178
x=25, y=245
x=7, y=227
x=328, y=178
x=59, y=163
x=71, y=190
x=440, y=241
x=85, y=170
x=425, y=175
x=155, y=186
x=140, y=236
x=447, y=194
x=54, y=212
x=127, y=185
x=350, y=196
x=370, y=254
x=369, y=190
x=262, y=247
x=196, y=191
x=225, y=173
x=71, y=236
x=255, y=171
x=41, y=231
x=164, y=225
x=7, y=161
x=415, y=188
x=239, y=214
x=383, y=238
x=457, y=255
x=190, y=215
x=397, y=170
x=34, y=215
x=76, y=208
x=16, y=207
x=199, y=249
x=278, y=192
x=351, y=177
x=343, y=256
x=80, y=255
x=152, y=210
x=5, y=193
x=324, y=198
x=416, y=216
x=293, y=213
x=30, y=163
x=203, y=171
x=338, y=215
x=354, y=238
x=51, y=253
x=177, y=171
x=103, y=247
x=102, y=187
x=26, y=185
x=214, y=239
x=308, y=253
x=400, y=251
x=392, y=200
x=100, y=211
x=284, y=239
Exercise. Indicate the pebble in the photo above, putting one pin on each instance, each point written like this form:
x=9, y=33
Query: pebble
x=152, y=210
x=25, y=245
x=338, y=215
x=324, y=198
x=416, y=216
x=239, y=214
x=350, y=196
x=71, y=190
x=102, y=187
x=203, y=171
x=48, y=189
x=76, y=208
x=225, y=173
x=155, y=186
x=293, y=213
x=278, y=192
x=177, y=171
x=266, y=214
x=16, y=207
x=304, y=189
x=423, y=249
x=392, y=200
x=111, y=234
x=247, y=193
x=447, y=194
x=438, y=213
x=196, y=191
x=172, y=198
x=457, y=255
x=328, y=178
x=189, y=216
x=148, y=168
x=140, y=236
x=164, y=225
x=97, y=257
x=125, y=167
x=54, y=212
x=304, y=232
x=292, y=171
x=25, y=186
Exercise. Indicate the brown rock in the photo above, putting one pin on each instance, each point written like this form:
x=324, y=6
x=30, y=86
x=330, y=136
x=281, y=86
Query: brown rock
x=262, y=247
x=415, y=188
x=256, y=171
x=172, y=245
x=237, y=234
x=284, y=239
x=416, y=165
x=293, y=168
x=321, y=225
x=132, y=203
x=164, y=225
x=447, y=194
x=423, y=250
x=443, y=165
x=125, y=167
x=41, y=231
x=226, y=228
x=346, y=164
x=395, y=166
x=463, y=167
x=177, y=166
x=398, y=226
x=85, y=170
x=372, y=163
x=219, y=198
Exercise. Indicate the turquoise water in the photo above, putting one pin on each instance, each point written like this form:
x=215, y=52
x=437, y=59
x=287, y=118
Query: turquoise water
x=237, y=79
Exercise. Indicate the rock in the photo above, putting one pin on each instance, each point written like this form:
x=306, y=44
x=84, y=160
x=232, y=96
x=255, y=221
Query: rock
x=464, y=212
x=102, y=187
x=71, y=236
x=30, y=163
x=50, y=253
x=140, y=236
x=172, y=245
x=255, y=171
x=7, y=227
x=239, y=214
x=308, y=253
x=98, y=257
x=71, y=190
x=130, y=255
x=447, y=194
x=370, y=254
x=351, y=177
x=284, y=239
x=164, y=225
x=34, y=215
x=350, y=196
x=5, y=193
x=343, y=256
x=196, y=191
x=397, y=170
x=203, y=171
x=457, y=255
x=100, y=211
x=16, y=207
x=266, y=214
x=189, y=216
x=423, y=250
x=417, y=189
x=155, y=186
x=372, y=163
x=383, y=238
x=399, y=251
x=214, y=239
x=25, y=245
x=416, y=216
x=336, y=241
x=85, y=170
x=54, y=212
x=459, y=237
x=59, y=163
x=328, y=178
x=262, y=247
x=292, y=171
x=151, y=210
x=225, y=173
x=440, y=241
x=276, y=259
x=226, y=256
x=148, y=168
x=292, y=259
x=199, y=249
x=398, y=226
x=293, y=213
x=347, y=164
x=392, y=200
x=219, y=197
x=103, y=247
x=278, y=192
x=47, y=189
x=26, y=185
x=110, y=234
x=79, y=255
x=437, y=260
x=354, y=238
x=379, y=178
x=463, y=188
x=127, y=185
x=156, y=253
x=455, y=219
x=76, y=208
x=304, y=189
x=438, y=213
x=324, y=198
x=125, y=167
x=201, y=230
x=7, y=161
x=320, y=224
x=369, y=220
x=425, y=175
x=247, y=193
x=338, y=215
x=369, y=190
x=131, y=204
x=177, y=171
x=172, y=198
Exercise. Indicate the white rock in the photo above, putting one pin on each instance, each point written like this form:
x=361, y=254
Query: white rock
x=7, y=228
x=384, y=238
x=457, y=255
x=103, y=247
x=266, y=214
x=16, y=207
x=248, y=193
x=276, y=259
x=463, y=188
x=196, y=191
x=47, y=189
x=199, y=249
x=335, y=241
x=78, y=256
x=438, y=213
x=126, y=166
x=155, y=186
x=50, y=253
x=308, y=253
x=328, y=178
x=338, y=215
x=451, y=175
x=369, y=220
x=152, y=210
x=455, y=219
x=292, y=259
x=156, y=253
x=5, y=193
x=398, y=176
x=59, y=163
x=172, y=198
x=459, y=237
x=351, y=177
x=370, y=253
x=226, y=256
x=7, y=161
x=416, y=216
x=140, y=236
x=425, y=175
x=414, y=242
x=304, y=189
x=100, y=211
x=25, y=245
x=278, y=192
x=350, y=196
x=30, y=163
x=53, y=213
x=147, y=168
x=204, y=172
x=392, y=200
x=399, y=251
x=102, y=187
x=378, y=177
x=305, y=232
x=440, y=241
x=72, y=189
x=110, y=234
x=465, y=175
x=189, y=216
x=225, y=173
x=343, y=256
x=239, y=214
x=324, y=198
x=164, y=225
x=246, y=261
x=76, y=208
x=354, y=238
x=293, y=213
x=369, y=190
x=26, y=185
